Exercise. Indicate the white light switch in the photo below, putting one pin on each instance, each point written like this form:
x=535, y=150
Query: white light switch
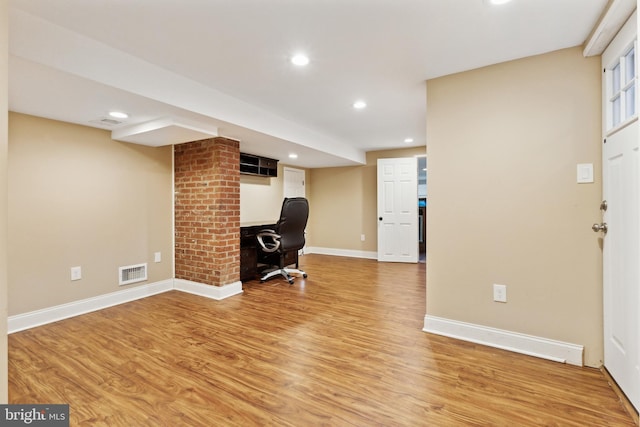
x=585, y=173
x=499, y=293
x=76, y=273
x=157, y=256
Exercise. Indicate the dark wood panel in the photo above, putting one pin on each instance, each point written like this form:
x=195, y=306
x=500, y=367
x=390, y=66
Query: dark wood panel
x=249, y=251
x=343, y=347
x=257, y=165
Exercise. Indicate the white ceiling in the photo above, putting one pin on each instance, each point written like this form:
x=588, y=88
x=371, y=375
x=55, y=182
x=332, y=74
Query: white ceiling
x=225, y=64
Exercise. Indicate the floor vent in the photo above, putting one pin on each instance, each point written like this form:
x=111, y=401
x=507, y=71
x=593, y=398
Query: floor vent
x=133, y=273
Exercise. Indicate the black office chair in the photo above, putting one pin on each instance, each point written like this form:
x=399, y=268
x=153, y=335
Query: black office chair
x=287, y=238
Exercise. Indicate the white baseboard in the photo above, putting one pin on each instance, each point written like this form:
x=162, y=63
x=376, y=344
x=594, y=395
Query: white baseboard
x=35, y=318
x=341, y=252
x=544, y=348
x=213, y=292
x=32, y=319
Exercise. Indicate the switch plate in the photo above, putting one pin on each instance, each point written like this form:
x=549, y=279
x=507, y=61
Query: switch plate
x=76, y=273
x=585, y=173
x=157, y=256
x=362, y=237
x=499, y=293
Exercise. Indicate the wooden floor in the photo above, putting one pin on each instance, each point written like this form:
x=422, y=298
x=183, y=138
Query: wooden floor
x=343, y=347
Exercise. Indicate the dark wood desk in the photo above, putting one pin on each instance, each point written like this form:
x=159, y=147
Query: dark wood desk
x=249, y=250
x=251, y=261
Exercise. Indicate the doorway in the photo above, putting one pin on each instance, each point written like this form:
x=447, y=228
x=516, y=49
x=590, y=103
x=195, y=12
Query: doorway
x=422, y=208
x=294, y=182
x=397, y=211
x=620, y=226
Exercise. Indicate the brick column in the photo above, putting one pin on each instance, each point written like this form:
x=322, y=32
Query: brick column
x=207, y=211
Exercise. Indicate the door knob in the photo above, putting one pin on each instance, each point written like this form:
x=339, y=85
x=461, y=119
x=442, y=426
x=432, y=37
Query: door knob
x=603, y=206
x=600, y=227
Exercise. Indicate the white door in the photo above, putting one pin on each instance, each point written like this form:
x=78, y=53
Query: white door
x=621, y=260
x=621, y=213
x=398, y=210
x=294, y=182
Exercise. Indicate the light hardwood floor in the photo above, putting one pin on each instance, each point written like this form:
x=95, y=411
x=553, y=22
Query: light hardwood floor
x=343, y=347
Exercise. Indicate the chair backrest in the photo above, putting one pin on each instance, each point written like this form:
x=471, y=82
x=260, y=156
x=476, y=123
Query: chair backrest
x=292, y=222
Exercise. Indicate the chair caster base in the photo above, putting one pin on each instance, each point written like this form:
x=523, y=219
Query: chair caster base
x=284, y=272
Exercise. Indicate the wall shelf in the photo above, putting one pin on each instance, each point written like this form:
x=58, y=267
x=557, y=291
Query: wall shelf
x=258, y=165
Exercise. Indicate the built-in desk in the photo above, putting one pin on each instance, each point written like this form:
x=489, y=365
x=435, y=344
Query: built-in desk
x=250, y=254
x=249, y=249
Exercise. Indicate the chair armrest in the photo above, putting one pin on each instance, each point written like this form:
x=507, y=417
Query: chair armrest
x=269, y=240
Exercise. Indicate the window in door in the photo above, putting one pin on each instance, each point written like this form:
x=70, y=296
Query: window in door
x=621, y=90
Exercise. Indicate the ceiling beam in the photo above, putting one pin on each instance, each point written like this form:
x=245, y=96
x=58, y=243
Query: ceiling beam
x=615, y=15
x=40, y=41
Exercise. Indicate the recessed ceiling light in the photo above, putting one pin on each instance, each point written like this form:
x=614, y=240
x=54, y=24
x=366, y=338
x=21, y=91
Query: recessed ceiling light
x=497, y=2
x=408, y=140
x=293, y=156
x=300, y=60
x=118, y=114
x=359, y=105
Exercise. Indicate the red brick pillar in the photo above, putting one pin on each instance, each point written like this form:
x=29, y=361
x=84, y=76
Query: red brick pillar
x=207, y=211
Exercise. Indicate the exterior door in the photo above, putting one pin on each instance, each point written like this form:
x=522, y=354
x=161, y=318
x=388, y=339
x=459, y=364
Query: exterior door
x=621, y=213
x=398, y=210
x=621, y=254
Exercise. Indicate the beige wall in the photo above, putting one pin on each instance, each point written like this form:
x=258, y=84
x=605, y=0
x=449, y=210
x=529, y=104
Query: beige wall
x=504, y=206
x=78, y=198
x=4, y=57
x=345, y=203
x=261, y=198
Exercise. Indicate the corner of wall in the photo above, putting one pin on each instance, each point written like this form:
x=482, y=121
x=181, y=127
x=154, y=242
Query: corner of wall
x=504, y=202
x=4, y=58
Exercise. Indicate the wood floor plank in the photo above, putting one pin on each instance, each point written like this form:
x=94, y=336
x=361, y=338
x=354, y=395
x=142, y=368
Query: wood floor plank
x=343, y=347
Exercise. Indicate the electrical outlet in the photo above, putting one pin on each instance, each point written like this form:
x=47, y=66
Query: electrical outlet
x=76, y=273
x=499, y=293
x=362, y=237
